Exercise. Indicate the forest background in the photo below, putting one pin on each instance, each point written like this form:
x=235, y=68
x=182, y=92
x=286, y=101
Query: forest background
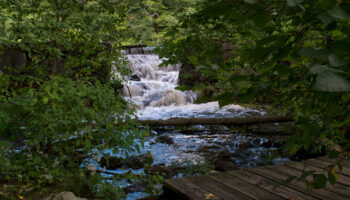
x=63, y=101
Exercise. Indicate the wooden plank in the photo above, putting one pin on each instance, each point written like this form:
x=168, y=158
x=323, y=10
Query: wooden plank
x=344, y=162
x=345, y=180
x=322, y=164
x=217, y=188
x=321, y=193
x=289, y=171
x=267, y=184
x=188, y=190
x=244, y=187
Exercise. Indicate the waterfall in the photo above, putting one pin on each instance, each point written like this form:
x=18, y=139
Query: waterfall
x=152, y=85
x=152, y=89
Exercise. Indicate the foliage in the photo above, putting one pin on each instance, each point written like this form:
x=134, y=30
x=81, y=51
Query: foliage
x=293, y=54
x=69, y=38
x=62, y=105
x=147, y=21
x=58, y=126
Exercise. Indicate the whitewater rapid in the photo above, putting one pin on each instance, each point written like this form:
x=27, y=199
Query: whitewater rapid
x=154, y=93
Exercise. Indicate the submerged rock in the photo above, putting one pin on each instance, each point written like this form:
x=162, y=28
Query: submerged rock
x=134, y=162
x=138, y=187
x=165, y=139
x=161, y=169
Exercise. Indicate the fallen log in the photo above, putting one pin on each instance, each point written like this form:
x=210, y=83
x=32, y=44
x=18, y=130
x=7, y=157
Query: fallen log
x=216, y=121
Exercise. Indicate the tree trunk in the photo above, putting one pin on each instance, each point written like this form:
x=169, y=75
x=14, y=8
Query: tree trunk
x=216, y=121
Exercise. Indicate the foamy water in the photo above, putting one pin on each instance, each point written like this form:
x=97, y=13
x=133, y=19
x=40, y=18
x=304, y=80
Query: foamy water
x=156, y=97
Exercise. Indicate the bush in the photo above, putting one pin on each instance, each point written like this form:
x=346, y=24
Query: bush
x=49, y=131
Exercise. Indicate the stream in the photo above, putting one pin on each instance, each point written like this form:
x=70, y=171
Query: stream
x=152, y=89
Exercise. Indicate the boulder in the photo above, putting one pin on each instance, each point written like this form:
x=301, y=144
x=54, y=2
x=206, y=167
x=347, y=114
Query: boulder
x=160, y=169
x=165, y=139
x=137, y=162
x=134, y=77
x=222, y=165
x=224, y=162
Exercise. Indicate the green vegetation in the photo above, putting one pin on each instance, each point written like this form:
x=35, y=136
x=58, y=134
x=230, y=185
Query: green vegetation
x=293, y=54
x=147, y=21
x=60, y=104
x=58, y=107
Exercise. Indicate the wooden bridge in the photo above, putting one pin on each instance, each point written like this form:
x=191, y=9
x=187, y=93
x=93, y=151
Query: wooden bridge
x=257, y=183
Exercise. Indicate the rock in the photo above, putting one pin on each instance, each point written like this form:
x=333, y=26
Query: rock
x=165, y=139
x=224, y=155
x=224, y=161
x=222, y=165
x=267, y=144
x=134, y=77
x=64, y=196
x=160, y=169
x=138, y=187
x=113, y=162
x=137, y=162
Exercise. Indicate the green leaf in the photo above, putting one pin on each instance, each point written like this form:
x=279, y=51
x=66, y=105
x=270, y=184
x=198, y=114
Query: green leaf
x=325, y=18
x=332, y=154
x=251, y=1
x=320, y=181
x=193, y=60
x=308, y=185
x=318, y=69
x=45, y=100
x=339, y=13
x=335, y=61
x=331, y=177
x=215, y=67
x=293, y=150
x=331, y=82
x=288, y=180
x=305, y=175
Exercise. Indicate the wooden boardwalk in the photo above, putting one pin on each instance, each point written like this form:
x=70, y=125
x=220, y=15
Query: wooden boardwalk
x=257, y=183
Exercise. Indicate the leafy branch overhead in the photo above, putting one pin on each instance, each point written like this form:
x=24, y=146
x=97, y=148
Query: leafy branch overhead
x=294, y=54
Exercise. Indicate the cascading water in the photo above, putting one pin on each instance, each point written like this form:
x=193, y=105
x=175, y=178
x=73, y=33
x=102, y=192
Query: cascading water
x=152, y=89
x=154, y=86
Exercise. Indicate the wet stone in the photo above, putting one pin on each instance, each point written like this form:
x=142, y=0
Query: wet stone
x=165, y=139
x=161, y=169
x=222, y=165
x=137, y=187
x=134, y=77
x=137, y=162
x=134, y=162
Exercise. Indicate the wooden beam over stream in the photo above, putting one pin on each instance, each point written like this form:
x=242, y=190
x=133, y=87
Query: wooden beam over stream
x=216, y=121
